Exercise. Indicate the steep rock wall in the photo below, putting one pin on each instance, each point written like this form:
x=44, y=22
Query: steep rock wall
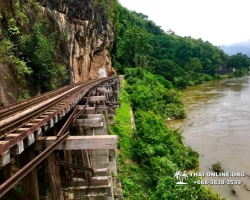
x=85, y=38
x=89, y=35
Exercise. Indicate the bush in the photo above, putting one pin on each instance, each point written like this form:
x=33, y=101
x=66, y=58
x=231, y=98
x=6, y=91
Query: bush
x=175, y=110
x=206, y=77
x=217, y=77
x=167, y=84
x=238, y=73
x=231, y=75
x=180, y=82
x=217, y=167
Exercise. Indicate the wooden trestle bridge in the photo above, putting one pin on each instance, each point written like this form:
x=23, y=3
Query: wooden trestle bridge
x=61, y=137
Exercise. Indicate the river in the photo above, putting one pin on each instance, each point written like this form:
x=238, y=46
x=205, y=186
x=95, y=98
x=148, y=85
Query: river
x=218, y=128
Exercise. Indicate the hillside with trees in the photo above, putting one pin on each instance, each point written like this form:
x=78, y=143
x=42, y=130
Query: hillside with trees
x=181, y=60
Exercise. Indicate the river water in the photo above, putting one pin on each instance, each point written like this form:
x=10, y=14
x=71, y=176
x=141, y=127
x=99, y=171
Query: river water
x=218, y=128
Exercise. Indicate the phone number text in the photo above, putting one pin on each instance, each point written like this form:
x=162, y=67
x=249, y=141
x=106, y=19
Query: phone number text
x=218, y=182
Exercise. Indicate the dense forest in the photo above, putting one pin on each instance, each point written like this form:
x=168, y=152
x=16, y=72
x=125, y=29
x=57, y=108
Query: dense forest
x=156, y=64
x=181, y=60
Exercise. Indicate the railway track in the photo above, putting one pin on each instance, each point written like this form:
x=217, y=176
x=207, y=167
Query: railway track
x=22, y=120
x=19, y=120
x=12, y=109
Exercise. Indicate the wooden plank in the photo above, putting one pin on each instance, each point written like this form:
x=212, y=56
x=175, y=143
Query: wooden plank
x=11, y=136
x=95, y=181
x=90, y=123
x=97, y=98
x=90, y=110
x=80, y=142
x=90, y=120
x=2, y=142
x=43, y=116
x=17, y=149
x=91, y=116
x=30, y=181
x=45, y=127
x=101, y=172
x=101, y=108
x=21, y=130
x=29, y=125
x=68, y=159
x=38, y=133
x=86, y=163
x=5, y=158
x=54, y=177
x=56, y=118
x=31, y=139
x=51, y=123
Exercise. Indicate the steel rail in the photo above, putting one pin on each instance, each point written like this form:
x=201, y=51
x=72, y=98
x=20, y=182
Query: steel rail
x=23, y=135
x=18, y=107
x=31, y=130
x=8, y=184
x=10, y=126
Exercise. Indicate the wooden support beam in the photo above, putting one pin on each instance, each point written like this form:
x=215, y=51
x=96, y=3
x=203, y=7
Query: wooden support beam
x=97, y=98
x=86, y=163
x=4, y=158
x=30, y=181
x=29, y=140
x=104, y=89
x=21, y=130
x=101, y=172
x=91, y=116
x=92, y=124
x=38, y=133
x=54, y=177
x=79, y=142
x=88, y=122
x=101, y=108
x=17, y=149
x=68, y=159
x=95, y=181
x=90, y=110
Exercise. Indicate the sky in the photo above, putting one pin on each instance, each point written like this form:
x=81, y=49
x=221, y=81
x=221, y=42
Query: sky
x=221, y=22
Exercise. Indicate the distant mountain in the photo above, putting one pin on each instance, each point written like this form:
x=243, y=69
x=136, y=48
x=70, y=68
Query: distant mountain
x=243, y=47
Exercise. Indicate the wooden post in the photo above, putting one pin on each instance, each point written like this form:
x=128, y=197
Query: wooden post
x=86, y=163
x=54, y=177
x=85, y=157
x=30, y=181
x=68, y=159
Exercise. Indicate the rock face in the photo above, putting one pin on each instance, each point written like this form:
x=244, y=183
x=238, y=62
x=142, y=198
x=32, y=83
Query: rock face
x=85, y=38
x=88, y=34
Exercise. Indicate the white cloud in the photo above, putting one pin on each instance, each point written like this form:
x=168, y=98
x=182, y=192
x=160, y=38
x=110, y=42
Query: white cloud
x=218, y=21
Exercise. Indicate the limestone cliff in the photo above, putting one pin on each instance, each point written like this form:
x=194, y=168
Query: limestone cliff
x=89, y=36
x=86, y=37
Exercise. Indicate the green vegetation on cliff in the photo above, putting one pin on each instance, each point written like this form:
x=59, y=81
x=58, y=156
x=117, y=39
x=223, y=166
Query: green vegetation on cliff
x=28, y=48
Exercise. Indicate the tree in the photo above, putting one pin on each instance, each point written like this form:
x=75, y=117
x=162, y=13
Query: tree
x=38, y=48
x=194, y=66
x=135, y=46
